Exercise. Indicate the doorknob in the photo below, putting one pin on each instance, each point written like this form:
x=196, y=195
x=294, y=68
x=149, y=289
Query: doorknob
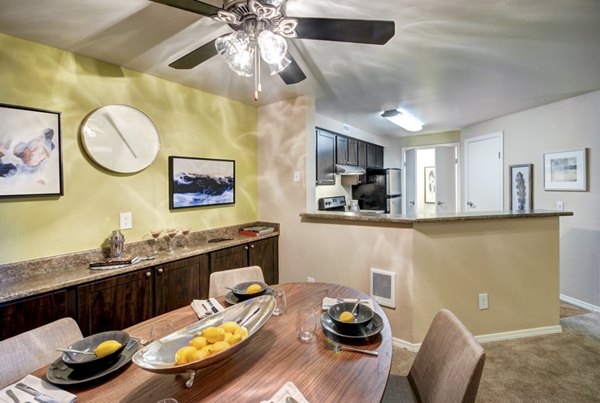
x=470, y=204
x=412, y=203
x=440, y=203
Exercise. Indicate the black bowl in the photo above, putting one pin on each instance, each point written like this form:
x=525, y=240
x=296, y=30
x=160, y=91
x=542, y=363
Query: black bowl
x=84, y=362
x=240, y=290
x=362, y=315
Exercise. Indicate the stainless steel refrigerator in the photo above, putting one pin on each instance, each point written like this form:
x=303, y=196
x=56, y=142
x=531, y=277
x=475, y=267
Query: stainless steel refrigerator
x=381, y=191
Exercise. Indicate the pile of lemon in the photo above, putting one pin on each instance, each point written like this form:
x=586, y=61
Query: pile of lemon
x=211, y=340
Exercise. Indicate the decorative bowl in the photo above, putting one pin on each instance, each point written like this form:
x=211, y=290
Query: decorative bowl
x=159, y=356
x=362, y=315
x=84, y=362
x=241, y=293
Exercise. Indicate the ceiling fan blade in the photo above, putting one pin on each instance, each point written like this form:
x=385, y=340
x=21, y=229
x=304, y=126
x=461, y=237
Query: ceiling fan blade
x=292, y=74
x=191, y=5
x=340, y=30
x=195, y=57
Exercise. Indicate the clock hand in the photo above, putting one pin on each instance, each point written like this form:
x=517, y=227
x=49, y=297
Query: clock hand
x=109, y=118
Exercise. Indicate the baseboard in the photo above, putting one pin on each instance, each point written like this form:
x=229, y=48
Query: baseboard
x=484, y=338
x=580, y=304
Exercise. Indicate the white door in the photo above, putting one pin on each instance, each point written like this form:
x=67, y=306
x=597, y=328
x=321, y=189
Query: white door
x=445, y=179
x=410, y=181
x=483, y=173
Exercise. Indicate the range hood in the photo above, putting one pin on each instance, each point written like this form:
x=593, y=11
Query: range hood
x=349, y=170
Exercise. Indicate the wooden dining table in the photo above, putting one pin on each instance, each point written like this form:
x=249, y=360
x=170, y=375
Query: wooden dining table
x=272, y=357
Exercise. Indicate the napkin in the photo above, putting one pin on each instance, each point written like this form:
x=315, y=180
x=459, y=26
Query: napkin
x=41, y=386
x=203, y=308
x=328, y=302
x=287, y=390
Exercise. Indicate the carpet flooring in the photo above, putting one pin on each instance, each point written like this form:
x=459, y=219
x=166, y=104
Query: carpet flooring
x=562, y=367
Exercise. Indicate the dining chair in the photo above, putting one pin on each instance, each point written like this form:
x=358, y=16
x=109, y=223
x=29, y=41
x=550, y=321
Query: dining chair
x=447, y=367
x=219, y=280
x=28, y=351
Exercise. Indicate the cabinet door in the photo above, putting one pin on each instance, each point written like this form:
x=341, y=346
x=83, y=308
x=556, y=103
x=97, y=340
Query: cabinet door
x=374, y=156
x=352, y=152
x=21, y=316
x=176, y=284
x=325, y=158
x=230, y=258
x=264, y=253
x=379, y=156
x=115, y=303
x=362, y=154
x=341, y=150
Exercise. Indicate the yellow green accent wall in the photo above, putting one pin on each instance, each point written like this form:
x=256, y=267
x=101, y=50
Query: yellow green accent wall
x=190, y=123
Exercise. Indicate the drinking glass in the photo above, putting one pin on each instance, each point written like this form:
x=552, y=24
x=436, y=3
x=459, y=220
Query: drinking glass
x=155, y=235
x=306, y=324
x=171, y=232
x=185, y=232
x=280, y=302
x=161, y=329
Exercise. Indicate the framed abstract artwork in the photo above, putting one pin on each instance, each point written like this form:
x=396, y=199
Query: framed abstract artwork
x=430, y=185
x=200, y=182
x=30, y=152
x=521, y=187
x=566, y=170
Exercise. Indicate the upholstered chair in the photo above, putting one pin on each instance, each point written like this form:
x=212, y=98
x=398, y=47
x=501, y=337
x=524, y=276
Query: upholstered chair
x=229, y=278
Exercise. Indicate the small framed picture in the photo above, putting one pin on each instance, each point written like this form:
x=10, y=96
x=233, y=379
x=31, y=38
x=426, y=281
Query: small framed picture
x=566, y=170
x=521, y=187
x=30, y=152
x=430, y=185
x=200, y=182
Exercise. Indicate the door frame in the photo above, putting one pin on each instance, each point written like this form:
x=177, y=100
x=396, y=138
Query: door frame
x=499, y=135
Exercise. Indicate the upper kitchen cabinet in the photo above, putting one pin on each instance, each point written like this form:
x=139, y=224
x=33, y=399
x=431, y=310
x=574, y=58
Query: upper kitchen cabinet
x=325, y=158
x=346, y=151
x=374, y=156
x=362, y=154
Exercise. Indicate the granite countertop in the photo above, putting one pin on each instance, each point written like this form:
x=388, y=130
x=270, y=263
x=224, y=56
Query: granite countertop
x=402, y=219
x=24, y=279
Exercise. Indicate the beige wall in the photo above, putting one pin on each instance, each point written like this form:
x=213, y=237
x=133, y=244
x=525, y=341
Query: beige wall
x=561, y=126
x=190, y=123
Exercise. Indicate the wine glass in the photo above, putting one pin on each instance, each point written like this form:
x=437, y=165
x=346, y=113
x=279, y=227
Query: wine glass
x=172, y=233
x=185, y=232
x=155, y=234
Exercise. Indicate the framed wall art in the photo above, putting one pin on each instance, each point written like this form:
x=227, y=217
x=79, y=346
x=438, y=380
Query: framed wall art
x=200, y=182
x=521, y=187
x=430, y=185
x=566, y=170
x=30, y=152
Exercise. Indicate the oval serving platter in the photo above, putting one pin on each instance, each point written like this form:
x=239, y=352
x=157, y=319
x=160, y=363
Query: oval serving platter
x=159, y=356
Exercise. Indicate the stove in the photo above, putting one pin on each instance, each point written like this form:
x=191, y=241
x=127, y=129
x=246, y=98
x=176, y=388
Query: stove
x=336, y=203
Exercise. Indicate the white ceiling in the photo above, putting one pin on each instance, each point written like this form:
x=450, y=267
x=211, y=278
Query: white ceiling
x=451, y=63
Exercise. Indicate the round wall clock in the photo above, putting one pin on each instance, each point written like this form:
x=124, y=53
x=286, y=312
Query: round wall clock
x=120, y=138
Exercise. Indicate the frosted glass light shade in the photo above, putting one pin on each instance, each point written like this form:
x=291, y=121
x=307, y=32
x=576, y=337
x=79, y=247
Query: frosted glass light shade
x=238, y=51
x=275, y=68
x=273, y=47
x=403, y=119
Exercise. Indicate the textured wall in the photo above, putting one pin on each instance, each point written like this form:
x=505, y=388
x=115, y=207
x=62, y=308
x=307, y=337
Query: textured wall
x=190, y=123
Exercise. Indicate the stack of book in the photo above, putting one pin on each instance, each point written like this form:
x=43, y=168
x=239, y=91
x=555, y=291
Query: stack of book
x=256, y=231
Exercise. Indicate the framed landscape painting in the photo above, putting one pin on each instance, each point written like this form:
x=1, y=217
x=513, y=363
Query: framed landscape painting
x=565, y=170
x=30, y=152
x=521, y=187
x=200, y=182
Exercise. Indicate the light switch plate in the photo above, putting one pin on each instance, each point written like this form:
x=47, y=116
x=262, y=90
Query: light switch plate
x=125, y=220
x=296, y=176
x=560, y=206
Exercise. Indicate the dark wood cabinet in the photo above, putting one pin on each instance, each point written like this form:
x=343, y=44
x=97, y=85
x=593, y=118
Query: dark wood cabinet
x=362, y=154
x=325, y=158
x=346, y=151
x=374, y=156
x=263, y=253
x=352, y=152
x=176, y=284
x=26, y=314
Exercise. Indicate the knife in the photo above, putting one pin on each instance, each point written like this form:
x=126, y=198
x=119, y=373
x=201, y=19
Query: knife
x=38, y=396
x=214, y=308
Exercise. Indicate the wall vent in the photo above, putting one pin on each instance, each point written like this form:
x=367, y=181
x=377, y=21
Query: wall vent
x=383, y=287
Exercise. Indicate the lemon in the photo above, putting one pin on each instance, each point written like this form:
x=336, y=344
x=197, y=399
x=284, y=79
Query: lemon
x=230, y=327
x=198, y=342
x=234, y=339
x=253, y=288
x=198, y=355
x=107, y=347
x=228, y=336
x=242, y=331
x=181, y=356
x=219, y=346
x=214, y=334
x=346, y=317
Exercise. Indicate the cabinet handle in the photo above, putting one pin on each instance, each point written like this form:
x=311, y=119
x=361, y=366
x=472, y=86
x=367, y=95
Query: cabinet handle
x=160, y=271
x=252, y=246
x=245, y=248
x=148, y=274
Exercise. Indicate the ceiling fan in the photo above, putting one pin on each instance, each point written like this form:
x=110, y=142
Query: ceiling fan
x=260, y=29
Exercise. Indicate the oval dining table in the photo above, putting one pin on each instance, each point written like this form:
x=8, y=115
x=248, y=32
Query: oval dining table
x=271, y=358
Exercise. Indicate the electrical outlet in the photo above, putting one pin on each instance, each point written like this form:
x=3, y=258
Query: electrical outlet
x=310, y=279
x=125, y=220
x=483, y=301
x=560, y=206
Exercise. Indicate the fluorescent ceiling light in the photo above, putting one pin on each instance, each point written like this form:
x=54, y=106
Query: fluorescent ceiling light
x=403, y=119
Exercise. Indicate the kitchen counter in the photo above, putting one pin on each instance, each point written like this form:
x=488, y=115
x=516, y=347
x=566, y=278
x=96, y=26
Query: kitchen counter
x=34, y=277
x=375, y=218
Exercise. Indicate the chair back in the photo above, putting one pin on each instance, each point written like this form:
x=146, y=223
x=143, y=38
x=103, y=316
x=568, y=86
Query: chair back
x=449, y=363
x=28, y=351
x=228, y=278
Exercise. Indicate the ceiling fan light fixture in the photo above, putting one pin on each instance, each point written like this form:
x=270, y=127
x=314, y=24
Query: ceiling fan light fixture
x=276, y=68
x=273, y=47
x=403, y=119
x=238, y=51
x=274, y=3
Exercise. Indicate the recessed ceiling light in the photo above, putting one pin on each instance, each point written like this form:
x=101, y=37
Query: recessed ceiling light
x=403, y=119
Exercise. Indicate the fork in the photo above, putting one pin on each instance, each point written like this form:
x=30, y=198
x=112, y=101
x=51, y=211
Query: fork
x=142, y=342
x=330, y=344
